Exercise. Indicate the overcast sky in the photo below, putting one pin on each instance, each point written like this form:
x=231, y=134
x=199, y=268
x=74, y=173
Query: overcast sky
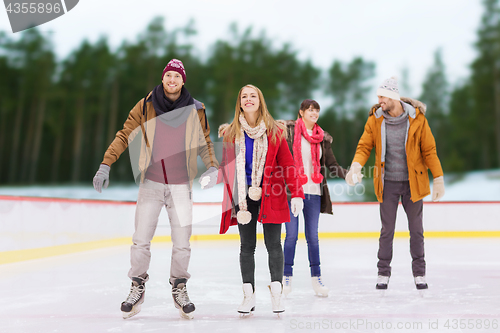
x=393, y=33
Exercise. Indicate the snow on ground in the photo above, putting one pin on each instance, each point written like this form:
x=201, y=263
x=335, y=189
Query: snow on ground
x=471, y=186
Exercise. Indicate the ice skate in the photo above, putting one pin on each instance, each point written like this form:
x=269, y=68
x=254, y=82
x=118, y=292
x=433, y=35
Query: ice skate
x=248, y=304
x=382, y=282
x=276, y=290
x=319, y=288
x=287, y=285
x=420, y=283
x=132, y=305
x=181, y=299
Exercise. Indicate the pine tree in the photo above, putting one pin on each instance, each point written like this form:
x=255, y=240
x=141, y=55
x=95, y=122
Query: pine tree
x=485, y=84
x=435, y=94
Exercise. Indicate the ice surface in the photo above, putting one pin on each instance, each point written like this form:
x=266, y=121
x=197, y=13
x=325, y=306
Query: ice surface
x=82, y=292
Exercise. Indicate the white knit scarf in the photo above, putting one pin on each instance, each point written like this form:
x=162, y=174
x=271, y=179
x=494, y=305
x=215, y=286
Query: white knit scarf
x=257, y=133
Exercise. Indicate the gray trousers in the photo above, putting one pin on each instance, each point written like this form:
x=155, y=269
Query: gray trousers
x=393, y=190
x=178, y=201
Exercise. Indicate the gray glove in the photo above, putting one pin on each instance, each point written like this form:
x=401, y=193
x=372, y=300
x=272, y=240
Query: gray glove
x=209, y=178
x=101, y=178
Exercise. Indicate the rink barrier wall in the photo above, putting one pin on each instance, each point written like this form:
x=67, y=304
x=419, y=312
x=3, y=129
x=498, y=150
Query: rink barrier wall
x=34, y=228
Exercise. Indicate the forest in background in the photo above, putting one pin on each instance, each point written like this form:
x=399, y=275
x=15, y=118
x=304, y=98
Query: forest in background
x=59, y=116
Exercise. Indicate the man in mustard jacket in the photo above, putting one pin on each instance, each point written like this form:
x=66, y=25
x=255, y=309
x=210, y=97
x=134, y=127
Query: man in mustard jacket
x=404, y=150
x=165, y=132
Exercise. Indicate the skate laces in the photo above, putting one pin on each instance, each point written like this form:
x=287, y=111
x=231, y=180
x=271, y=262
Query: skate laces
x=181, y=296
x=320, y=282
x=275, y=296
x=382, y=279
x=287, y=281
x=420, y=280
x=135, y=294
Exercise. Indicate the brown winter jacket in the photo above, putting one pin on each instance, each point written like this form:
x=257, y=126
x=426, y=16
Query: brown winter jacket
x=143, y=121
x=421, y=152
x=327, y=161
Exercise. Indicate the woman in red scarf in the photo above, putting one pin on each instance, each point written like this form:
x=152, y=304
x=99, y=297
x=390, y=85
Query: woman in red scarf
x=311, y=149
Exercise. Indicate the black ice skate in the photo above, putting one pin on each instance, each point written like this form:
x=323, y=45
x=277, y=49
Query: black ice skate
x=181, y=299
x=132, y=305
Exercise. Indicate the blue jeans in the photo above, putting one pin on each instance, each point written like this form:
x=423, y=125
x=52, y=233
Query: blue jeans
x=312, y=208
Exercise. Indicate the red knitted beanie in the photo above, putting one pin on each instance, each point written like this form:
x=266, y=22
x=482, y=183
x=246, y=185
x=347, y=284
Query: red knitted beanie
x=177, y=66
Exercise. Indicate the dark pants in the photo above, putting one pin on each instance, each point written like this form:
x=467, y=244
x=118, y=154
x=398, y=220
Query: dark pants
x=393, y=190
x=312, y=208
x=248, y=240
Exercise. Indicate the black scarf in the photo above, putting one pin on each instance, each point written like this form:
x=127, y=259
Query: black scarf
x=163, y=105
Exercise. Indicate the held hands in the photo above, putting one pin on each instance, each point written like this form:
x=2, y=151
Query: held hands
x=354, y=175
x=297, y=204
x=101, y=178
x=438, y=188
x=209, y=178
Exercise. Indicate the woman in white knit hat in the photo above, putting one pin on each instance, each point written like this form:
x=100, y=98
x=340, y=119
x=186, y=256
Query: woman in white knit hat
x=256, y=163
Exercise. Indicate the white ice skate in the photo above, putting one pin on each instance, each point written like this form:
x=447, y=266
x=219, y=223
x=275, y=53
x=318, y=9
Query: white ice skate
x=421, y=285
x=277, y=301
x=382, y=282
x=287, y=285
x=248, y=304
x=319, y=288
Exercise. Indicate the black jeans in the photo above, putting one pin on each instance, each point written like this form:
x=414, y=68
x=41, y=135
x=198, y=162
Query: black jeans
x=248, y=241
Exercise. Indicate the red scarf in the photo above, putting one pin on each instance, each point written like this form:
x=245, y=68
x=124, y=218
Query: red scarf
x=314, y=139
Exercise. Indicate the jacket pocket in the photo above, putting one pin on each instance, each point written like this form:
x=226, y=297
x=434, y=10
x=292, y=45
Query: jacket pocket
x=422, y=180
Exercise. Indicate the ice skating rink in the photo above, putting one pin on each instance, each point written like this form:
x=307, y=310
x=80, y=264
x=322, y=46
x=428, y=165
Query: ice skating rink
x=64, y=264
x=82, y=292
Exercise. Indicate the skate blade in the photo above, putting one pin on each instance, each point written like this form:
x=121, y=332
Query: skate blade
x=135, y=310
x=186, y=315
x=321, y=295
x=246, y=313
x=421, y=292
x=383, y=292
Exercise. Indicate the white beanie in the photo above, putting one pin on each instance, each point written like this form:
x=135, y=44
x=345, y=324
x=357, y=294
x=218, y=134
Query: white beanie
x=389, y=88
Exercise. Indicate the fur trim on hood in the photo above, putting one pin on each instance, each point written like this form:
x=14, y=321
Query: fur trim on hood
x=413, y=102
x=222, y=129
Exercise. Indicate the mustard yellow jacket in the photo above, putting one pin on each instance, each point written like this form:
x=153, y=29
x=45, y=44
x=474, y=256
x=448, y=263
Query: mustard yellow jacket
x=420, y=147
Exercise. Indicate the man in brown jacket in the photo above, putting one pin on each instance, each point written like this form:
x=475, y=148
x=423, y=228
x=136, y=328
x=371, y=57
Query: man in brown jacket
x=404, y=150
x=165, y=132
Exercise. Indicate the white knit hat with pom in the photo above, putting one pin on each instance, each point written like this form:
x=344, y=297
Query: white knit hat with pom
x=389, y=88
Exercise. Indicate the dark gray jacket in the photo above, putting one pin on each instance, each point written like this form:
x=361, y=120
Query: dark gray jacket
x=327, y=161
